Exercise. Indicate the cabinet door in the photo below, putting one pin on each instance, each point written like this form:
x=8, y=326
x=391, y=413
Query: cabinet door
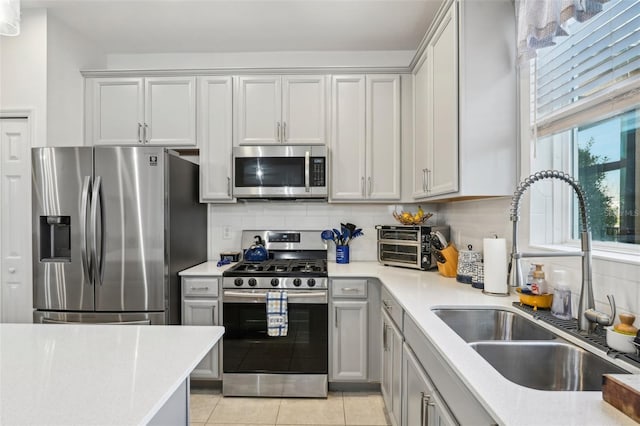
x=117, y=106
x=391, y=385
x=383, y=137
x=349, y=341
x=258, y=112
x=215, y=123
x=203, y=312
x=416, y=388
x=348, y=138
x=422, y=125
x=170, y=111
x=304, y=110
x=443, y=48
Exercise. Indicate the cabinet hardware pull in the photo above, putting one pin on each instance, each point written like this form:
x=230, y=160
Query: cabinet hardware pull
x=228, y=186
x=423, y=410
x=278, y=132
x=428, y=174
x=362, y=186
x=200, y=288
x=145, y=138
x=213, y=315
x=387, y=306
x=384, y=337
x=139, y=132
x=424, y=180
x=284, y=131
x=335, y=314
x=370, y=187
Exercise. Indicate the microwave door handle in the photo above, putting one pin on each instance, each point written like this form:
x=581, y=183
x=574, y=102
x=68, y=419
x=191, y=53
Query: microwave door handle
x=307, y=158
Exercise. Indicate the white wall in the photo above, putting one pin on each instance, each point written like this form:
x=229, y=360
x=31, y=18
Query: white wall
x=259, y=60
x=67, y=53
x=23, y=71
x=301, y=216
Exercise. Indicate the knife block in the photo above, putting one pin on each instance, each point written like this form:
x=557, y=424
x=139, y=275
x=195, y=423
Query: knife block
x=450, y=267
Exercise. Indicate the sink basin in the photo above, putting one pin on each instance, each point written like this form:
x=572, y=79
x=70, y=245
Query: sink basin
x=475, y=325
x=548, y=366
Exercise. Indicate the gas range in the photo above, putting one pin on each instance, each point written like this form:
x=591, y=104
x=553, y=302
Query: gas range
x=297, y=261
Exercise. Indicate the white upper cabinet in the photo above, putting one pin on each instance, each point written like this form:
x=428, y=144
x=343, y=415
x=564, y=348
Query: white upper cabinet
x=365, y=137
x=215, y=124
x=132, y=111
x=280, y=109
x=464, y=96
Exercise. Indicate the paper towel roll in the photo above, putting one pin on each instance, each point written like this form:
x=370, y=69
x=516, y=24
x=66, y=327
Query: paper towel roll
x=495, y=265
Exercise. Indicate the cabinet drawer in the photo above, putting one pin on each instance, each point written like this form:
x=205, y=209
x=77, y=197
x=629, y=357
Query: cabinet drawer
x=355, y=289
x=200, y=286
x=391, y=307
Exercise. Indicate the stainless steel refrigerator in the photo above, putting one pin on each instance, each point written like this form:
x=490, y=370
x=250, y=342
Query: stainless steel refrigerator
x=112, y=227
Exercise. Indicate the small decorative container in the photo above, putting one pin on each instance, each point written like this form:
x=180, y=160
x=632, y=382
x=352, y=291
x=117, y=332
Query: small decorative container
x=342, y=254
x=466, y=262
x=477, y=281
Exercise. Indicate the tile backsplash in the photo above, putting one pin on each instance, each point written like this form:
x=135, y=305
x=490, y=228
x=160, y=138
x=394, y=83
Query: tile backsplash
x=470, y=222
x=226, y=222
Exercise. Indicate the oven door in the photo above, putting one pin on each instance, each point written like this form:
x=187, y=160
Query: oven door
x=399, y=253
x=247, y=347
x=279, y=172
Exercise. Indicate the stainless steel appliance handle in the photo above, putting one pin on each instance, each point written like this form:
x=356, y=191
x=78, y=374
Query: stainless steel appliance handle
x=139, y=322
x=84, y=215
x=307, y=162
x=139, y=132
x=96, y=205
x=260, y=296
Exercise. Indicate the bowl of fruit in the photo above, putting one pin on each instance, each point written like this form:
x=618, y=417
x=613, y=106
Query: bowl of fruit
x=408, y=218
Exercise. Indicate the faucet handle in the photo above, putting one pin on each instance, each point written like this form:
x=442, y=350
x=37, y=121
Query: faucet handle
x=600, y=317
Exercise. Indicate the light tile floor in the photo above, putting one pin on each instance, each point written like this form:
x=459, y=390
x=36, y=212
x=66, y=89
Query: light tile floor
x=209, y=407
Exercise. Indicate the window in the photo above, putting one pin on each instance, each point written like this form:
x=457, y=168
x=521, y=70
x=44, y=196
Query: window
x=586, y=117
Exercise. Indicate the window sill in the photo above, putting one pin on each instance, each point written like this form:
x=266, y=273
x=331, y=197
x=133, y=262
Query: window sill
x=608, y=255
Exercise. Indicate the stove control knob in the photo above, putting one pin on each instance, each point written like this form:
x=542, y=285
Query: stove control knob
x=238, y=282
x=297, y=282
x=252, y=282
x=275, y=282
x=311, y=282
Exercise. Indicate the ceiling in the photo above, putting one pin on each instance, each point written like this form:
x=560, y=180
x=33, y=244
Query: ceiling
x=155, y=26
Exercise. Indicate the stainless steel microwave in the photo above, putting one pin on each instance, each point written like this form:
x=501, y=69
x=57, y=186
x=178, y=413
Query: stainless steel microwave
x=280, y=171
x=408, y=246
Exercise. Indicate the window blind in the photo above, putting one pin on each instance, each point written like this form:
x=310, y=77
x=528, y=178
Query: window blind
x=593, y=72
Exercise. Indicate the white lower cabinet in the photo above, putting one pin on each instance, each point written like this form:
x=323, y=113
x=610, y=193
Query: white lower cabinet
x=391, y=383
x=200, y=306
x=421, y=404
x=349, y=330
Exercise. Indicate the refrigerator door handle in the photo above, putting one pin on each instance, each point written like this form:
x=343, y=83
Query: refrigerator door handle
x=84, y=216
x=96, y=205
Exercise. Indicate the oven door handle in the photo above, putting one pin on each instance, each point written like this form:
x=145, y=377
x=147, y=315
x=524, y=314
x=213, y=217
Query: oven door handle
x=260, y=296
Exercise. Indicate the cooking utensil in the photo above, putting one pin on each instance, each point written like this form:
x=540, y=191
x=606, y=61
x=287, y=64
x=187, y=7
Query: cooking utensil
x=327, y=234
x=257, y=252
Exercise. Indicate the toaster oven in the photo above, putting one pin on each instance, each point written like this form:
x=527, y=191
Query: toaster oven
x=408, y=246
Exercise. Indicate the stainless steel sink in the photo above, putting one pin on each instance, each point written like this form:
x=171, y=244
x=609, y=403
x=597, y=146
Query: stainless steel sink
x=475, y=325
x=548, y=366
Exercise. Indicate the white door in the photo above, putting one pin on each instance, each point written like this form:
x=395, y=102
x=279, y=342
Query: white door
x=422, y=125
x=15, y=219
x=348, y=142
x=383, y=137
x=349, y=341
x=443, y=176
x=215, y=135
x=170, y=111
x=258, y=112
x=117, y=106
x=304, y=110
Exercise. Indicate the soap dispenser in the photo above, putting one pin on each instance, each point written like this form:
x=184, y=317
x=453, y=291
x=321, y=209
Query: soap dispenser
x=561, y=306
x=539, y=285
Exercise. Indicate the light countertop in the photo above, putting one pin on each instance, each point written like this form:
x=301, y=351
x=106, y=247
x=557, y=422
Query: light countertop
x=507, y=402
x=62, y=374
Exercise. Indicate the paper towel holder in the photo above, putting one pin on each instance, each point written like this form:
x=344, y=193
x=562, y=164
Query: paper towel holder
x=506, y=282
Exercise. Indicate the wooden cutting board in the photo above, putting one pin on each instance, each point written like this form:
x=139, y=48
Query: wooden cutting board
x=623, y=392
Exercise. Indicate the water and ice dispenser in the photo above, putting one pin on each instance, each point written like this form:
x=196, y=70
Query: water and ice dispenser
x=55, y=238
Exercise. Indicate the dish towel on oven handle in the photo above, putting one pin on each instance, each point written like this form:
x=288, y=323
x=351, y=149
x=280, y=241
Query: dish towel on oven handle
x=277, y=318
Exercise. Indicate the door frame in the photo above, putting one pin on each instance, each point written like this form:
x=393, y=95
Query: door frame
x=29, y=115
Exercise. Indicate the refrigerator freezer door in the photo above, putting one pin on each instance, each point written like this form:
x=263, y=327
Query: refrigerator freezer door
x=131, y=220
x=61, y=178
